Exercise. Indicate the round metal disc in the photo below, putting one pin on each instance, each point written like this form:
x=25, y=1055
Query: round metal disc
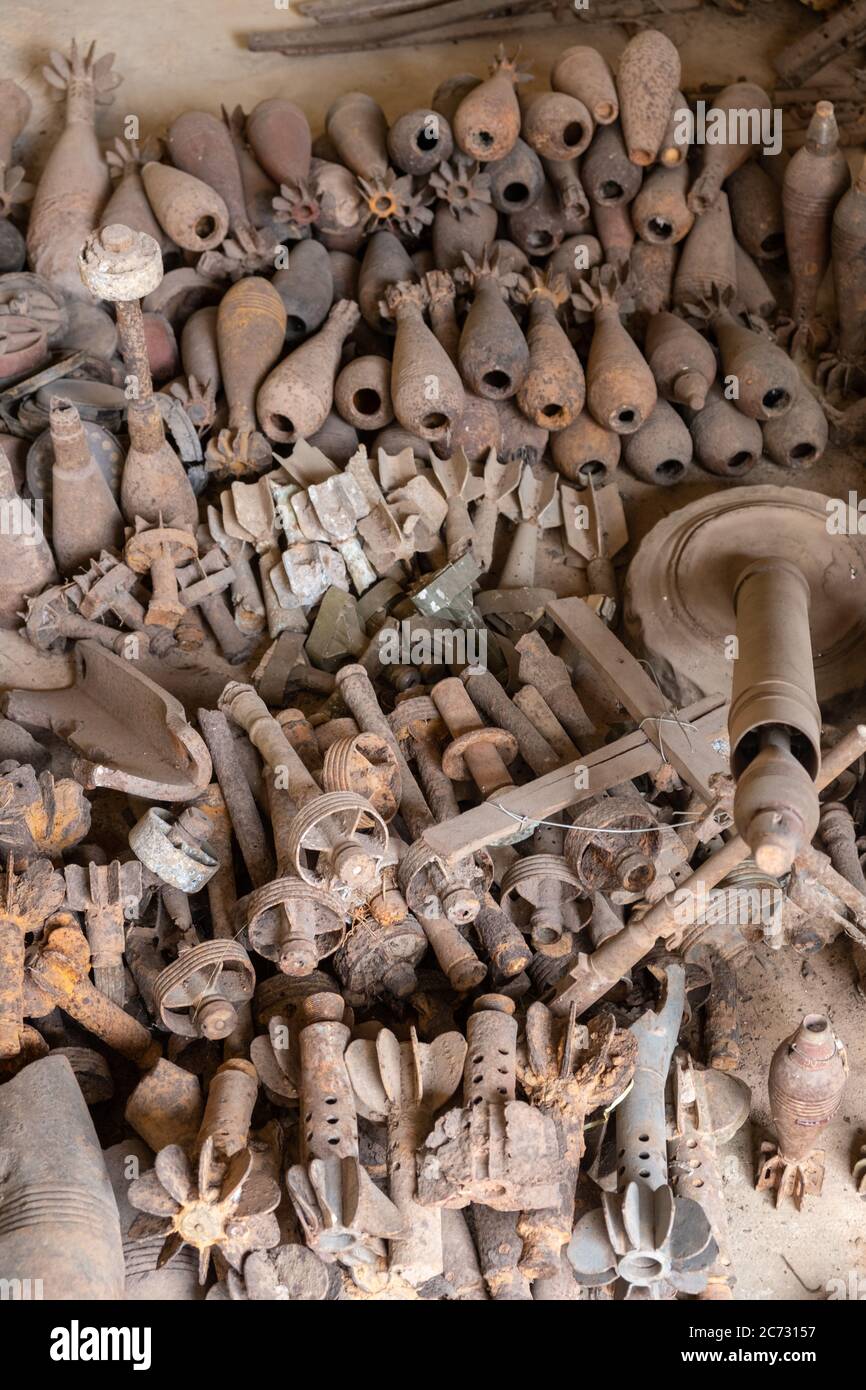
x=678, y=607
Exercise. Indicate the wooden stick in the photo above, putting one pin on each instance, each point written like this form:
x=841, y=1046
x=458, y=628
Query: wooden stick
x=800, y=60
x=327, y=12
x=394, y=27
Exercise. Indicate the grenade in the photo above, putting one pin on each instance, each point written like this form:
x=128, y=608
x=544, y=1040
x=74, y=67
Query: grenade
x=296, y=398
x=620, y=390
x=585, y=452
x=660, y=212
x=756, y=211
x=465, y=219
x=707, y=258
x=74, y=185
x=584, y=74
x=648, y=79
x=553, y=391
x=190, y=212
x=815, y=180
x=680, y=359
x=86, y=518
x=661, y=450
x=721, y=160
x=487, y=121
x=807, y=1079
x=426, y=388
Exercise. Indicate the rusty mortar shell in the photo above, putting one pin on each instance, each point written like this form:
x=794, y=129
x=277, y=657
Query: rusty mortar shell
x=59, y=973
x=15, y=110
x=190, y=212
x=362, y=393
x=251, y=326
x=726, y=441
x=307, y=288
x=166, y=1106
x=575, y=258
x=707, y=258
x=330, y=1125
x=128, y=203
x=200, y=144
x=60, y=1220
x=480, y=750
x=659, y=212
x=417, y=720
x=585, y=451
x=620, y=388
x=199, y=352
x=563, y=175
x=386, y=262
x=453, y=953
x=229, y=1107
x=419, y=140
x=426, y=387
x=337, y=440
x=754, y=296
x=681, y=360
x=651, y=271
x=719, y=161
x=768, y=381
x=357, y=127
x=554, y=390
x=674, y=149
x=557, y=126
x=583, y=73
x=798, y=437
x=296, y=397
x=616, y=231
x=490, y=1069
x=358, y=693
x=607, y=173
x=502, y=940
x=647, y=81
x=464, y=220
x=774, y=723
x=279, y=135
x=477, y=431
x=515, y=182
x=539, y=229
x=756, y=211
x=85, y=517
x=488, y=695
x=815, y=180
x=493, y=353
x=849, y=272
x=74, y=184
x=806, y=1082
x=661, y=450
x=500, y=1248
x=487, y=121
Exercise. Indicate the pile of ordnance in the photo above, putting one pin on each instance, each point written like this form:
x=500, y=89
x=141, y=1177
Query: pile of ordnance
x=378, y=850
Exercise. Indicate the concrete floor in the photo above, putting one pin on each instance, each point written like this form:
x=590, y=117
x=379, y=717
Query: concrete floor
x=178, y=54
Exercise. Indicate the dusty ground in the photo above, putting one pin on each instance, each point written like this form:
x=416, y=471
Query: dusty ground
x=177, y=54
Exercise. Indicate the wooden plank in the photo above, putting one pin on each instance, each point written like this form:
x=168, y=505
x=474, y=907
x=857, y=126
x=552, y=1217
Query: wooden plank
x=630, y=757
x=695, y=759
x=395, y=26
x=802, y=59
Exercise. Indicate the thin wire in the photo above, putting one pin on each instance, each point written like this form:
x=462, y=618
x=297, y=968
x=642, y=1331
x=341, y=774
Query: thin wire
x=594, y=1124
x=671, y=715
x=598, y=829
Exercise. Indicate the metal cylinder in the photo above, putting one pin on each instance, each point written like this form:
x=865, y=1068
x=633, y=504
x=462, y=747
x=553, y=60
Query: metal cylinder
x=807, y=1079
x=774, y=724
